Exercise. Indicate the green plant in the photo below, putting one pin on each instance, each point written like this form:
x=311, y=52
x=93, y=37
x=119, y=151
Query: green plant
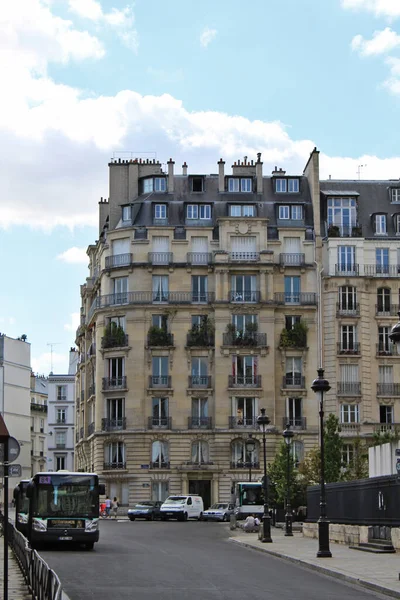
x=333, y=231
x=383, y=437
x=203, y=334
x=158, y=336
x=356, y=231
x=358, y=467
x=296, y=337
x=114, y=334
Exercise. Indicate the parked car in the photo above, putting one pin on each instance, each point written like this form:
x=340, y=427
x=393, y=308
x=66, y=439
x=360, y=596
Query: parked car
x=149, y=510
x=220, y=511
x=182, y=508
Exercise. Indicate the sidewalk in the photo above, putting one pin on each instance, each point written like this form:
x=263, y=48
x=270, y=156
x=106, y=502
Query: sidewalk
x=378, y=572
x=17, y=588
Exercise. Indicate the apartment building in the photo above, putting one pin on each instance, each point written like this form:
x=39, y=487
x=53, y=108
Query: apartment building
x=39, y=430
x=360, y=228
x=200, y=308
x=61, y=414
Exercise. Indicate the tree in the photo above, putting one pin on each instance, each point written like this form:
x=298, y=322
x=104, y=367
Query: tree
x=277, y=473
x=333, y=449
x=358, y=467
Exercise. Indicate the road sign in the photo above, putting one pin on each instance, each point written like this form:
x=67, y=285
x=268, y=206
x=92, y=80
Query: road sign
x=13, y=471
x=398, y=465
x=13, y=450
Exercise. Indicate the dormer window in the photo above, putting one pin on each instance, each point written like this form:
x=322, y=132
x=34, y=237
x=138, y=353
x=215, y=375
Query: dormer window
x=160, y=211
x=127, y=213
x=395, y=194
x=294, y=212
x=240, y=184
x=154, y=184
x=293, y=186
x=198, y=211
x=287, y=186
x=197, y=184
x=242, y=210
x=397, y=223
x=380, y=225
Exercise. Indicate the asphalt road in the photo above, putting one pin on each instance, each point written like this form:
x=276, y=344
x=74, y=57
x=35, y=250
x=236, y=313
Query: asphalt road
x=185, y=561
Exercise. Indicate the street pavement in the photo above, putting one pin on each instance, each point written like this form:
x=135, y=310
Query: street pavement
x=17, y=588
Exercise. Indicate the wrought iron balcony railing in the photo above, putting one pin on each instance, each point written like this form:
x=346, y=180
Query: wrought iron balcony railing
x=349, y=348
x=386, y=309
x=301, y=298
x=240, y=422
x=114, y=383
x=161, y=338
x=290, y=259
x=199, y=338
x=114, y=341
x=245, y=381
x=343, y=231
x=388, y=389
x=199, y=258
x=159, y=422
x=239, y=464
x=345, y=388
x=199, y=422
x=347, y=310
x=111, y=466
x=203, y=381
x=113, y=424
x=119, y=260
x=39, y=407
x=91, y=428
x=245, y=296
x=294, y=381
x=156, y=297
x=294, y=422
x=388, y=349
x=159, y=381
x=158, y=464
x=244, y=338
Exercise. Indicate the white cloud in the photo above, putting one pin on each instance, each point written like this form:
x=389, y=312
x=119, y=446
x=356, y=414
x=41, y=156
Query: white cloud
x=74, y=255
x=121, y=20
x=43, y=363
x=166, y=76
x=207, y=36
x=380, y=8
x=74, y=324
x=381, y=42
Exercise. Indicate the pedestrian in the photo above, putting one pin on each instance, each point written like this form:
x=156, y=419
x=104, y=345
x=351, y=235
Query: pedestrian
x=249, y=523
x=114, y=507
x=108, y=507
x=256, y=521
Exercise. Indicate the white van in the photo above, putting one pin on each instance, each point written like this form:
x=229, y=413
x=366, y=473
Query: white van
x=182, y=508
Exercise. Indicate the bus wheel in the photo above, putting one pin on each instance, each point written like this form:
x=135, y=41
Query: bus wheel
x=89, y=545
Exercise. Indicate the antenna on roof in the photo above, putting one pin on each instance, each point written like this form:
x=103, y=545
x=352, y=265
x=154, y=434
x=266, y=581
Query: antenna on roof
x=359, y=170
x=51, y=344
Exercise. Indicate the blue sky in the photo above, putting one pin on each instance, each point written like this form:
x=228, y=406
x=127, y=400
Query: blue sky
x=82, y=79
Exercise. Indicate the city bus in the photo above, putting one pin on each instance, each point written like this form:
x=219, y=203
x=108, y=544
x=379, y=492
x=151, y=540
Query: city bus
x=64, y=508
x=249, y=499
x=21, y=506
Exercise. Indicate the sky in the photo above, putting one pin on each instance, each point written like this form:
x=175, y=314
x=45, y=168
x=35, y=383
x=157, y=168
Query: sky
x=85, y=80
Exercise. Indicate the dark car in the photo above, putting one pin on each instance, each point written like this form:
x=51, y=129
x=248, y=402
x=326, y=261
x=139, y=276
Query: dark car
x=149, y=510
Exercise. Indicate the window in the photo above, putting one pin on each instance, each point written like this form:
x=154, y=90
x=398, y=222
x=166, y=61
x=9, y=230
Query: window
x=199, y=320
x=200, y=453
x=280, y=185
x=245, y=184
x=382, y=260
x=160, y=285
x=116, y=370
x=397, y=223
x=386, y=414
x=160, y=321
x=292, y=289
x=291, y=321
x=159, y=454
x=347, y=259
x=199, y=412
x=348, y=338
x=114, y=455
x=294, y=412
x=297, y=213
x=384, y=344
x=156, y=184
x=160, y=370
x=127, y=213
x=61, y=392
x=294, y=212
x=242, y=184
x=385, y=374
x=199, y=288
x=240, y=456
x=349, y=413
x=347, y=298
x=342, y=212
x=198, y=211
x=32, y=423
x=244, y=288
x=297, y=450
x=347, y=454
x=197, y=184
x=60, y=463
x=244, y=370
x=395, y=194
x=284, y=212
x=242, y=322
x=349, y=379
x=61, y=415
x=380, y=225
x=293, y=186
x=160, y=211
x=294, y=371
x=159, y=490
x=233, y=185
x=41, y=425
x=242, y=210
x=243, y=248
x=160, y=412
x=60, y=439
x=115, y=322
x=384, y=300
x=147, y=185
x=199, y=371
x=115, y=412
x=120, y=290
x=245, y=411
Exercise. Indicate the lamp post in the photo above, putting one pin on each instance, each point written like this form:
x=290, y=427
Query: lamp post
x=288, y=436
x=250, y=447
x=263, y=420
x=319, y=386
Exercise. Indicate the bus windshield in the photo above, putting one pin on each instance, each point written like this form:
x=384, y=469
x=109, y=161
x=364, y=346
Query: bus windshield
x=251, y=495
x=64, y=496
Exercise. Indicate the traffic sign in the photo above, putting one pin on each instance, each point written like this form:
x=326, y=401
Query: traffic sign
x=398, y=465
x=13, y=471
x=13, y=450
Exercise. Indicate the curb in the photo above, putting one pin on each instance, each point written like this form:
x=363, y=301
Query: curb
x=324, y=570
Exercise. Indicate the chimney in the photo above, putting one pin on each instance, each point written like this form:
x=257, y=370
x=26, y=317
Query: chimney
x=170, y=164
x=221, y=175
x=276, y=172
x=259, y=174
x=184, y=169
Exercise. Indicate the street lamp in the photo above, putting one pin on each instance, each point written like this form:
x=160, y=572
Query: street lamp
x=319, y=386
x=250, y=447
x=288, y=436
x=263, y=420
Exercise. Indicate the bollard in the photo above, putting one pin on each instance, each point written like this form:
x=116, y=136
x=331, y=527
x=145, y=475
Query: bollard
x=232, y=522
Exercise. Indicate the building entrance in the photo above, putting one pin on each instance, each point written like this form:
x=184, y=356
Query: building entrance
x=201, y=487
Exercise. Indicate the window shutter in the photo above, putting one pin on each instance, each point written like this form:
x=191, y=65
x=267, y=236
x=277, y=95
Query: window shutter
x=120, y=246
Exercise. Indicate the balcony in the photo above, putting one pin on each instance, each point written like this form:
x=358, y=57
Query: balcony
x=350, y=270
x=386, y=310
x=199, y=422
x=159, y=423
x=159, y=337
x=299, y=298
x=160, y=297
x=118, y=260
x=90, y=429
x=294, y=422
x=114, y=383
x=387, y=428
x=239, y=464
x=388, y=349
x=349, y=349
x=246, y=296
x=159, y=381
x=241, y=422
x=200, y=337
x=160, y=258
x=388, y=389
x=160, y=465
x=290, y=223
x=381, y=270
x=296, y=337
x=343, y=231
x=349, y=389
x=199, y=381
x=352, y=310
x=244, y=339
x=115, y=340
x=112, y=466
x=350, y=428
x=294, y=381
x=199, y=258
x=292, y=259
x=39, y=407
x=113, y=424
x=244, y=256
x=61, y=398
x=60, y=446
x=244, y=381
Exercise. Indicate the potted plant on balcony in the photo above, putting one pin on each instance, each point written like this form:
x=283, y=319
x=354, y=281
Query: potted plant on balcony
x=356, y=231
x=250, y=334
x=114, y=336
x=295, y=337
x=158, y=336
x=333, y=231
x=203, y=334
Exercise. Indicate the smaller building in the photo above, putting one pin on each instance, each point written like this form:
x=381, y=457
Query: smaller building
x=61, y=409
x=39, y=429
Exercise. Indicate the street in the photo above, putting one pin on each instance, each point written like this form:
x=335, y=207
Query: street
x=166, y=561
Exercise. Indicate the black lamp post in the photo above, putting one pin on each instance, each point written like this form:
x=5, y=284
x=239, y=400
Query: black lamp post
x=250, y=447
x=319, y=386
x=288, y=436
x=263, y=420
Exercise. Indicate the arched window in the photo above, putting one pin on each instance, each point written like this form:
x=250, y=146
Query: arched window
x=383, y=300
x=114, y=456
x=241, y=458
x=200, y=453
x=159, y=455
